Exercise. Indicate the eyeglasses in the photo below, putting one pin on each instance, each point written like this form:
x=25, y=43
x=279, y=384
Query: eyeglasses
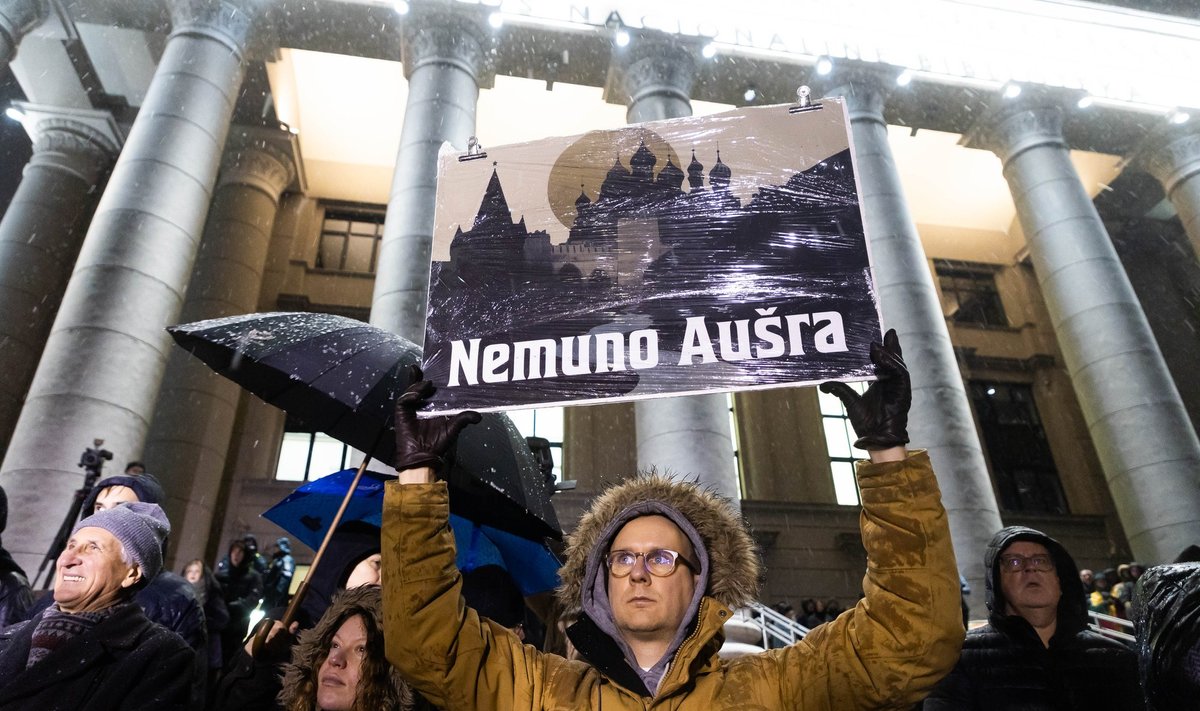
x=660, y=562
x=1016, y=563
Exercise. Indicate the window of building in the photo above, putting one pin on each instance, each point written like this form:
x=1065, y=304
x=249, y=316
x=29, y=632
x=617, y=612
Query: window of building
x=305, y=455
x=839, y=440
x=350, y=239
x=969, y=294
x=547, y=423
x=1024, y=471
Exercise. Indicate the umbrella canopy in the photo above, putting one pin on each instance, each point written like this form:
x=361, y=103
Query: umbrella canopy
x=342, y=377
x=307, y=512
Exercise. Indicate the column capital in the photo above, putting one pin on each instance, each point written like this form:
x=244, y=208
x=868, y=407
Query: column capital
x=1013, y=126
x=261, y=159
x=231, y=22
x=458, y=36
x=654, y=64
x=18, y=17
x=1170, y=156
x=866, y=88
x=79, y=141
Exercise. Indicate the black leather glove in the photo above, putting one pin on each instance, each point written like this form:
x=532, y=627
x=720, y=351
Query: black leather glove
x=424, y=443
x=880, y=415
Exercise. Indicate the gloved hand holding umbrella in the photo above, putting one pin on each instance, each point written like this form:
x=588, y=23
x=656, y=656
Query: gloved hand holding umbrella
x=424, y=443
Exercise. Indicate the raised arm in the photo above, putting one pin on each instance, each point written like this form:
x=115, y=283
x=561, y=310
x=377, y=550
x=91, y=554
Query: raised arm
x=905, y=635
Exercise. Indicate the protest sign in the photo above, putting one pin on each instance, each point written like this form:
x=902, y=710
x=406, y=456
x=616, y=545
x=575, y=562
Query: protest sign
x=692, y=255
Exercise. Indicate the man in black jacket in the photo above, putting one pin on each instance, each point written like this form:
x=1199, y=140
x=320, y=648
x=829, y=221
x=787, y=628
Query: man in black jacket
x=1036, y=652
x=94, y=649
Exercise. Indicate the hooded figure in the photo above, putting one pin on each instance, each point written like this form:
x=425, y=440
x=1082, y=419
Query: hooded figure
x=1167, y=620
x=379, y=686
x=1006, y=665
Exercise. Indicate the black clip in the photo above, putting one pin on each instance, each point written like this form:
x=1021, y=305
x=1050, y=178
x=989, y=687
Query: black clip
x=474, y=150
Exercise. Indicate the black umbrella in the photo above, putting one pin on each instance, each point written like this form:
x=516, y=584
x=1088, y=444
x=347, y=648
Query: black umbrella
x=342, y=377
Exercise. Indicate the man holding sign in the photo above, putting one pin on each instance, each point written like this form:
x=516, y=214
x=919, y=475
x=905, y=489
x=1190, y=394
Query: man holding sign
x=653, y=572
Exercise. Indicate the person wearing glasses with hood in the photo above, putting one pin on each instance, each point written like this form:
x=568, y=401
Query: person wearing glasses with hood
x=654, y=570
x=1036, y=652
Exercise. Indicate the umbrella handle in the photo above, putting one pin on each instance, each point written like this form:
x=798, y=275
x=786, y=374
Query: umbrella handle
x=264, y=627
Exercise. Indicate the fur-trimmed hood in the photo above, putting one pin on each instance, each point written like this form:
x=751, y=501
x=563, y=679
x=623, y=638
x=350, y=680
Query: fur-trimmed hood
x=389, y=691
x=734, y=567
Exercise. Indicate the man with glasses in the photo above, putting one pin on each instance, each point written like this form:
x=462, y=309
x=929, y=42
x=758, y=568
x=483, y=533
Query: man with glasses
x=1036, y=652
x=653, y=571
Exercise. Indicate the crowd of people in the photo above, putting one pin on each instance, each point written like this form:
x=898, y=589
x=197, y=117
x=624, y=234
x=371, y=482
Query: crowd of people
x=652, y=572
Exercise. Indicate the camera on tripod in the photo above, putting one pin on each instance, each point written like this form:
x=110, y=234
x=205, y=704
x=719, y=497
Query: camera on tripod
x=93, y=458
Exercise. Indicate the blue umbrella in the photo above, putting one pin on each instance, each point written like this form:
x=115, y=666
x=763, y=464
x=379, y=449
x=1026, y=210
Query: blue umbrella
x=306, y=512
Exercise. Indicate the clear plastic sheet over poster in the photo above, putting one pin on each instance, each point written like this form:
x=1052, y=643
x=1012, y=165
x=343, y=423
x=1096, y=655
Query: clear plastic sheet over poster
x=692, y=255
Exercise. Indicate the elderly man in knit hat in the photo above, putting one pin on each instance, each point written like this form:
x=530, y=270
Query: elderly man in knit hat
x=94, y=648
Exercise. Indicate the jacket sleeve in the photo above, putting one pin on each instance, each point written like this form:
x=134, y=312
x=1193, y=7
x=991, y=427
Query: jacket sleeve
x=890, y=649
x=441, y=647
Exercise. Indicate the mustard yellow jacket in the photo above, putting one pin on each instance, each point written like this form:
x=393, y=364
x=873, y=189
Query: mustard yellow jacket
x=885, y=653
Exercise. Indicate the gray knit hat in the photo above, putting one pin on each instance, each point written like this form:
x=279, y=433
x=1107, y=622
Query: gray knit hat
x=140, y=527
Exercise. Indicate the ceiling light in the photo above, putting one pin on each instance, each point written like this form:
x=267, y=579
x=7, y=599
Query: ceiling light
x=15, y=114
x=905, y=78
x=496, y=20
x=622, y=38
x=991, y=391
x=1012, y=91
x=1085, y=101
x=1177, y=117
x=750, y=94
x=824, y=66
x=401, y=6
x=709, y=51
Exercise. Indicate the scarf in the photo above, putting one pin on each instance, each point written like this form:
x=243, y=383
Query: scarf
x=56, y=628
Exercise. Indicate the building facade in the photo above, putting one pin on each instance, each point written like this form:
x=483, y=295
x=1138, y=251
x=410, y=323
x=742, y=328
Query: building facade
x=184, y=167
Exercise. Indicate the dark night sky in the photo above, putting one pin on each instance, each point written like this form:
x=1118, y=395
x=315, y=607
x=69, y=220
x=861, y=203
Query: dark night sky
x=15, y=148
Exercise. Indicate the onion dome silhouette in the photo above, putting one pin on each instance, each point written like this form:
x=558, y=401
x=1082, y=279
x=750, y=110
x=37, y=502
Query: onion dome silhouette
x=670, y=176
x=642, y=162
x=583, y=200
x=695, y=173
x=718, y=177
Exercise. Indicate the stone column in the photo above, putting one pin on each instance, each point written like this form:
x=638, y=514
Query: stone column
x=17, y=17
x=684, y=436
x=1145, y=442
x=445, y=58
x=193, y=420
x=940, y=419
x=40, y=235
x=103, y=363
x=1174, y=159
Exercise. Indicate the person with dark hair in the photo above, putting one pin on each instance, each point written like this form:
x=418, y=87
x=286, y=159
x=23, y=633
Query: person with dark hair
x=243, y=589
x=1036, y=652
x=250, y=683
x=341, y=663
x=257, y=561
x=135, y=467
x=94, y=648
x=653, y=572
x=1166, y=621
x=16, y=597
